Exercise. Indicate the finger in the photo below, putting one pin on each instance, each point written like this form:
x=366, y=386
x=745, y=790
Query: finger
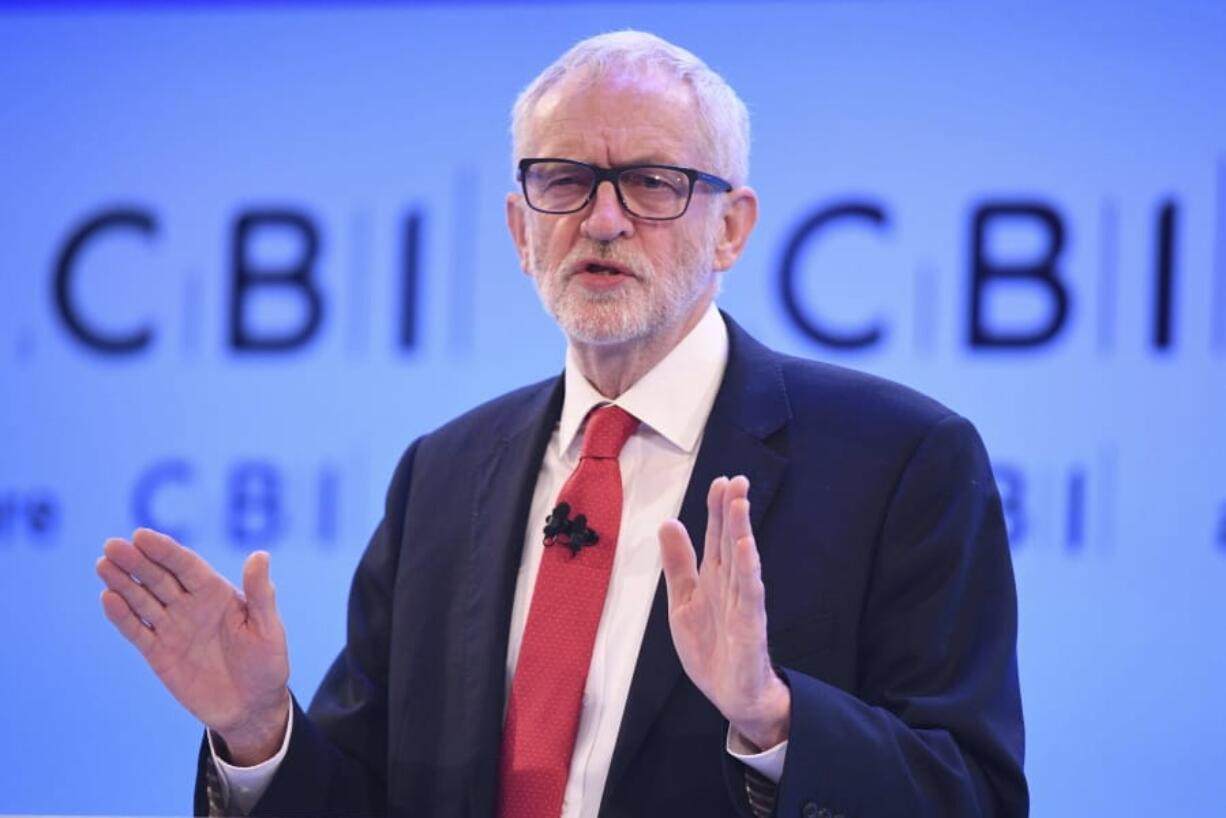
x=126, y=622
x=187, y=567
x=750, y=594
x=157, y=579
x=679, y=562
x=737, y=491
x=139, y=599
x=736, y=520
x=258, y=589
x=711, y=552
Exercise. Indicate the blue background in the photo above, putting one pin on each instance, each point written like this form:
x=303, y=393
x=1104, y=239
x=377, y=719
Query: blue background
x=1111, y=450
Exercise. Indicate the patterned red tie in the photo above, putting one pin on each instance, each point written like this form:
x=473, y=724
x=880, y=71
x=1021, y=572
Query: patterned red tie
x=547, y=689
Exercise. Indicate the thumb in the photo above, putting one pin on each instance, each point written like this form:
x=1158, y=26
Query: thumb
x=259, y=590
x=679, y=562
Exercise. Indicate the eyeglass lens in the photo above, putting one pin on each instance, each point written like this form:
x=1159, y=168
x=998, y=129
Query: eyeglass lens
x=561, y=187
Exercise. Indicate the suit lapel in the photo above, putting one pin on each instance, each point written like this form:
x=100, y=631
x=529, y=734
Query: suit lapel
x=502, y=500
x=751, y=405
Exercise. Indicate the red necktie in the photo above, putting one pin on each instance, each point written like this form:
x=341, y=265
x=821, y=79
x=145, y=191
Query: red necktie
x=547, y=689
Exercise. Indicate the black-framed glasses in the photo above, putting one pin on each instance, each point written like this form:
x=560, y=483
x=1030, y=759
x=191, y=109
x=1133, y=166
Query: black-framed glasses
x=658, y=192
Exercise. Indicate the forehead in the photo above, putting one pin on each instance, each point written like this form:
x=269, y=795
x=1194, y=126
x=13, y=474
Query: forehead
x=616, y=119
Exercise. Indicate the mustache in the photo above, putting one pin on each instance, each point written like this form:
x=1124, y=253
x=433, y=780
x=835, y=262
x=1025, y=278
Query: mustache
x=615, y=252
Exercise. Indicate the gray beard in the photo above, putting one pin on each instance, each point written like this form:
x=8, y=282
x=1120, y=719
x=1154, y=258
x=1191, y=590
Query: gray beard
x=628, y=313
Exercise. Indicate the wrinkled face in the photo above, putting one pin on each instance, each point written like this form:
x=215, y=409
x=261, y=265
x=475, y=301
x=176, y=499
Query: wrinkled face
x=608, y=277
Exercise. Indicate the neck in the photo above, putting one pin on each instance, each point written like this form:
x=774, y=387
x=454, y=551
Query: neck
x=614, y=368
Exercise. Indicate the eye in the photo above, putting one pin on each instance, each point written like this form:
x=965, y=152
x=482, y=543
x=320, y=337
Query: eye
x=563, y=180
x=655, y=181
x=558, y=178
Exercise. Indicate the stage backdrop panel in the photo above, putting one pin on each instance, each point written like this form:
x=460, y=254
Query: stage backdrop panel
x=250, y=251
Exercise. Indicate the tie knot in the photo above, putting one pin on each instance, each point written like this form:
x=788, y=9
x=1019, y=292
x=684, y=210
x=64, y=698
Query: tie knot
x=608, y=429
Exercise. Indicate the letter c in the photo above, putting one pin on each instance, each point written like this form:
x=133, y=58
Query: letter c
x=65, y=266
x=861, y=211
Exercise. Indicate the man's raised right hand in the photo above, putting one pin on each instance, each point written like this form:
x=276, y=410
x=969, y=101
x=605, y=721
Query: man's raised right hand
x=220, y=651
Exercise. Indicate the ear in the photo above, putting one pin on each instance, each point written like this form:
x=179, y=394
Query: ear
x=516, y=223
x=736, y=223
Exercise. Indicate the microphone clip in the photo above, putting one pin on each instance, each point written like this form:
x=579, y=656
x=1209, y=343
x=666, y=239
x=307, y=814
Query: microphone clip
x=573, y=534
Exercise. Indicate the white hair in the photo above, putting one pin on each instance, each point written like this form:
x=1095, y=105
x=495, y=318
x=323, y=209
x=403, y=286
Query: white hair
x=723, y=119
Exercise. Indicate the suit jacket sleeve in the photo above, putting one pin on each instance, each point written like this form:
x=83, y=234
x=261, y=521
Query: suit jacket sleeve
x=336, y=763
x=934, y=726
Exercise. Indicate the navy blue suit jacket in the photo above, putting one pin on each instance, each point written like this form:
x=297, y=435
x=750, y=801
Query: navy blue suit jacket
x=889, y=594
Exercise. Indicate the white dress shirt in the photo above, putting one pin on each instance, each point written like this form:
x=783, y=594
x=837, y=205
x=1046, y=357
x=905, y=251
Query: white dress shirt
x=672, y=401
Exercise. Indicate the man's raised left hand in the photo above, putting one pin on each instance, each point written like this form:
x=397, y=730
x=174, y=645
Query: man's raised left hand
x=717, y=613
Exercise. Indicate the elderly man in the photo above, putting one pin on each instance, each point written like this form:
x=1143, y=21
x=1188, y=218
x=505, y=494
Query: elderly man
x=570, y=607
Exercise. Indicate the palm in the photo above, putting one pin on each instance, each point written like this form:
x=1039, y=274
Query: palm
x=719, y=639
x=717, y=614
x=221, y=653
x=215, y=660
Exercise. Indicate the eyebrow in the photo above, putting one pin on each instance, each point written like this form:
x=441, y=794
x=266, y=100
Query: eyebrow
x=639, y=159
x=654, y=159
x=650, y=159
x=647, y=159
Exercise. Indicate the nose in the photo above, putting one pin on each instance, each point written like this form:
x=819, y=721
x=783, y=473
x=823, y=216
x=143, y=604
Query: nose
x=606, y=220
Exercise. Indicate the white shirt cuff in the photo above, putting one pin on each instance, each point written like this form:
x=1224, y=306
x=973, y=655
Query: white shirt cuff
x=241, y=787
x=768, y=763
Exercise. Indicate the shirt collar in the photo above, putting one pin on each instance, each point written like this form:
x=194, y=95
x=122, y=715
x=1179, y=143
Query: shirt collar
x=674, y=398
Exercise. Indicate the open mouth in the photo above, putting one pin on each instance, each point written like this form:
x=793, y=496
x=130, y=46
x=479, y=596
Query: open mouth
x=602, y=268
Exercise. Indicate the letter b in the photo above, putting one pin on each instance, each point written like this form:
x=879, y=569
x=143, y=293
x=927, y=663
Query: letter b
x=1040, y=271
x=247, y=276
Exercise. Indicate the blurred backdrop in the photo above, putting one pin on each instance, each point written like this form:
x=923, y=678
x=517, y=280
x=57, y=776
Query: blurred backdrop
x=251, y=250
